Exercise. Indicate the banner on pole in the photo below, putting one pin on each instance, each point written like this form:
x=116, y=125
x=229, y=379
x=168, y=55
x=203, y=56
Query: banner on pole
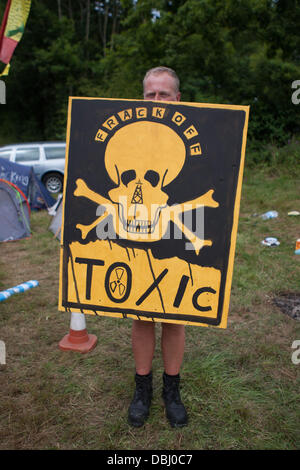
x=151, y=205
x=12, y=29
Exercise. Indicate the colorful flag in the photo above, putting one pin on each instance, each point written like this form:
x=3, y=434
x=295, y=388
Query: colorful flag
x=12, y=28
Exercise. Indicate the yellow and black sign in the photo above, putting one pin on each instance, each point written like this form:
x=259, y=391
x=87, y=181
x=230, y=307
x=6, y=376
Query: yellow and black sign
x=151, y=206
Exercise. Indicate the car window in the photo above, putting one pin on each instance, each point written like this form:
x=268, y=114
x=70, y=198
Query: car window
x=27, y=154
x=5, y=154
x=54, y=152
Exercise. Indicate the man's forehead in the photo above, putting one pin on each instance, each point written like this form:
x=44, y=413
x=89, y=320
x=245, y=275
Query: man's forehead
x=157, y=78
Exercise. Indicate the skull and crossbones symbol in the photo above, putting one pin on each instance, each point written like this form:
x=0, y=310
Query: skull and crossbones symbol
x=142, y=158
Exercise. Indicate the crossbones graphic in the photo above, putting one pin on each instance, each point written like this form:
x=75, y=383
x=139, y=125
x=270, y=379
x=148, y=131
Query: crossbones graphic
x=142, y=158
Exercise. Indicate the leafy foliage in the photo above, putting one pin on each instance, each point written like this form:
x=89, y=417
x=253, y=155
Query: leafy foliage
x=245, y=52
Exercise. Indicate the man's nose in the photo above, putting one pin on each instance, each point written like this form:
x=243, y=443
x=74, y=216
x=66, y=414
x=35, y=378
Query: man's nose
x=157, y=96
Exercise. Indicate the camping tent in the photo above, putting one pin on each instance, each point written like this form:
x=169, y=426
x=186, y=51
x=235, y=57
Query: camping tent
x=56, y=212
x=25, y=179
x=14, y=212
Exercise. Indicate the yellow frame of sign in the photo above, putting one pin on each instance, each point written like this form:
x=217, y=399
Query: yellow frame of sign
x=151, y=206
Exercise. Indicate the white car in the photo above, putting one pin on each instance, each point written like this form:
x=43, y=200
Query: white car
x=46, y=158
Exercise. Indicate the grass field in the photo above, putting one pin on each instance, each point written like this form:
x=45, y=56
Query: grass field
x=240, y=385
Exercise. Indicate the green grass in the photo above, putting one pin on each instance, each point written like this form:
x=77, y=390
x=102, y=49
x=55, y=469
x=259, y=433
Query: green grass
x=239, y=384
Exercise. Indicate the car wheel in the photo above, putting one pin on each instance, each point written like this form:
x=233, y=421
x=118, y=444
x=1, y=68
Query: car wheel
x=53, y=182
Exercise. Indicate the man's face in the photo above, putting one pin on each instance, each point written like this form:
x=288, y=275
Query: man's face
x=161, y=87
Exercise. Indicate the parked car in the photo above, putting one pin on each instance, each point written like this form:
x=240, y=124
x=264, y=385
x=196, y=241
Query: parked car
x=46, y=158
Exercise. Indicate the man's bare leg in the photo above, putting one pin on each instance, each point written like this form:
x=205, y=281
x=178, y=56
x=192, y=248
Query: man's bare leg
x=172, y=346
x=143, y=345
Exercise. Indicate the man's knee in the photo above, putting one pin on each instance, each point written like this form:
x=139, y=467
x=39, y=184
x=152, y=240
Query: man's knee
x=173, y=329
x=140, y=327
x=173, y=326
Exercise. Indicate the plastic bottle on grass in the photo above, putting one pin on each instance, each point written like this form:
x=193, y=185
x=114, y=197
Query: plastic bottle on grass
x=269, y=215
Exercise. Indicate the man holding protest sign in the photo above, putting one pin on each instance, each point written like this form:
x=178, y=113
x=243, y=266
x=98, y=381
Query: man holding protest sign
x=160, y=84
x=152, y=167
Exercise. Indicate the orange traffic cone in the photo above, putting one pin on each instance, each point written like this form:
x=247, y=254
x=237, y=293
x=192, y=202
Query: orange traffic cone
x=78, y=339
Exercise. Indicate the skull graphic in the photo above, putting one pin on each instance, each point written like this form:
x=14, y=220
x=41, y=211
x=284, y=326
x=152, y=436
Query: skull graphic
x=142, y=158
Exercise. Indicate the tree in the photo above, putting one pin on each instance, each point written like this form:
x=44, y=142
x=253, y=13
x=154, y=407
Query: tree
x=239, y=52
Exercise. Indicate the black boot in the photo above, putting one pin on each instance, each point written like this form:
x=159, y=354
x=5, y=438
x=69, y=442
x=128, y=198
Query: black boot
x=139, y=407
x=175, y=409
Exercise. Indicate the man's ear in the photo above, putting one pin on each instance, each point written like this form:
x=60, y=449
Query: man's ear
x=178, y=96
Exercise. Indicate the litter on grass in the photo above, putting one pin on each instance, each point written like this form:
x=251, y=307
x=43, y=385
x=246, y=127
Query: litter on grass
x=270, y=241
x=269, y=215
x=293, y=213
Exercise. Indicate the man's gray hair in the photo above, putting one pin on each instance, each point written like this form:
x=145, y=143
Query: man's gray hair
x=161, y=69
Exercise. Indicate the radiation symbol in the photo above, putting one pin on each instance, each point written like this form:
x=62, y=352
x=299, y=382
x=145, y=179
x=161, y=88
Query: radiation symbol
x=118, y=282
